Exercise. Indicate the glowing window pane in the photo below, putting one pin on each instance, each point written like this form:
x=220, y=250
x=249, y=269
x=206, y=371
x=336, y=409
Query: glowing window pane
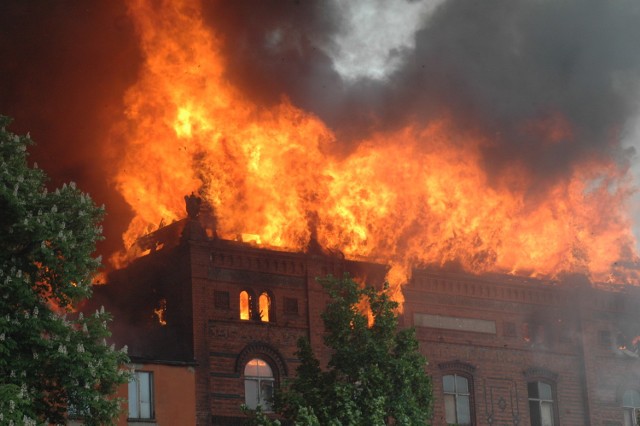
x=245, y=303
x=265, y=305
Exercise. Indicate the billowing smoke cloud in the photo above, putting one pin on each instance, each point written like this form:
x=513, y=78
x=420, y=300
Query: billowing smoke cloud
x=64, y=67
x=496, y=66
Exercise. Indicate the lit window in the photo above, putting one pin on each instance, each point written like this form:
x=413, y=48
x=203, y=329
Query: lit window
x=540, y=404
x=141, y=395
x=258, y=384
x=264, y=303
x=456, y=399
x=631, y=405
x=245, y=305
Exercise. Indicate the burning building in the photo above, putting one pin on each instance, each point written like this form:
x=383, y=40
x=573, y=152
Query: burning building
x=212, y=324
x=477, y=156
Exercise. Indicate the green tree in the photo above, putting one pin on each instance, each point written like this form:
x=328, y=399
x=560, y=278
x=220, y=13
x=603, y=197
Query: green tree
x=376, y=374
x=54, y=363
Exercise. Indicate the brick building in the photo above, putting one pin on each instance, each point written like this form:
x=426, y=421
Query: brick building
x=212, y=324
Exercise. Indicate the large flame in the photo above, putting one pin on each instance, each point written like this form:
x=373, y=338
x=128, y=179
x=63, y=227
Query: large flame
x=414, y=196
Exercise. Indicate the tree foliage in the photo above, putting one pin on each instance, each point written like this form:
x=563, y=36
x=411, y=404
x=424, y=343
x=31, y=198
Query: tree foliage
x=376, y=374
x=53, y=362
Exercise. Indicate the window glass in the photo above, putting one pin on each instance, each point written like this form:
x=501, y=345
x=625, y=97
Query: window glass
x=540, y=404
x=450, y=408
x=448, y=383
x=257, y=368
x=462, y=385
x=251, y=393
x=266, y=394
x=631, y=404
x=245, y=303
x=631, y=417
x=134, y=411
x=251, y=369
x=532, y=388
x=545, y=391
x=457, y=403
x=534, y=411
x=145, y=395
x=141, y=395
x=546, y=414
x=631, y=398
x=264, y=303
x=258, y=384
x=463, y=410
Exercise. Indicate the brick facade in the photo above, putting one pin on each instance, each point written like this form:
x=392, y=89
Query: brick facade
x=499, y=332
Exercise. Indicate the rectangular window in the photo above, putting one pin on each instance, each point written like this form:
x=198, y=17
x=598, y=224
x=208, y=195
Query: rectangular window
x=221, y=299
x=141, y=395
x=540, y=404
x=457, y=404
x=290, y=306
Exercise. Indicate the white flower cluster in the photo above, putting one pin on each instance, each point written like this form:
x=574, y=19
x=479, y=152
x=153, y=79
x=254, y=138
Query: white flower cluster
x=62, y=349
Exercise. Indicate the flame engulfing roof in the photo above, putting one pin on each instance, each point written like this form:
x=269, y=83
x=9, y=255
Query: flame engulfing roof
x=494, y=142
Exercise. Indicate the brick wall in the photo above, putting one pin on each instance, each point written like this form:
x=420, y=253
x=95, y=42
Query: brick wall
x=499, y=331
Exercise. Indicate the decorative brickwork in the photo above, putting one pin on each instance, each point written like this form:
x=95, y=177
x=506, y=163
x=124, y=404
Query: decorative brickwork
x=501, y=332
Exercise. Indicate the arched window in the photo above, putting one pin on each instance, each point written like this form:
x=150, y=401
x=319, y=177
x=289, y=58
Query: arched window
x=631, y=405
x=541, y=404
x=457, y=399
x=245, y=305
x=258, y=384
x=264, y=307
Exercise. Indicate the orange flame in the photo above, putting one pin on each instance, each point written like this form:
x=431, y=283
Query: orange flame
x=161, y=311
x=409, y=197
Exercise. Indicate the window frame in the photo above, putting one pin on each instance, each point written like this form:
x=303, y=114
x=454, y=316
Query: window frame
x=135, y=379
x=628, y=410
x=463, y=370
x=271, y=308
x=250, y=304
x=260, y=381
x=540, y=401
x=457, y=396
x=541, y=374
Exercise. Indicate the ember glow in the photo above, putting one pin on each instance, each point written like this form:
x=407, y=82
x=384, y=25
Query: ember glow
x=413, y=195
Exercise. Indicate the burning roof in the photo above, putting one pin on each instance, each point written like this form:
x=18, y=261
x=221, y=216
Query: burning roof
x=494, y=138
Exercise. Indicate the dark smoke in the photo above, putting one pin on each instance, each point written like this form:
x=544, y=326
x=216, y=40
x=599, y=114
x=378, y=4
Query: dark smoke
x=64, y=67
x=494, y=65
